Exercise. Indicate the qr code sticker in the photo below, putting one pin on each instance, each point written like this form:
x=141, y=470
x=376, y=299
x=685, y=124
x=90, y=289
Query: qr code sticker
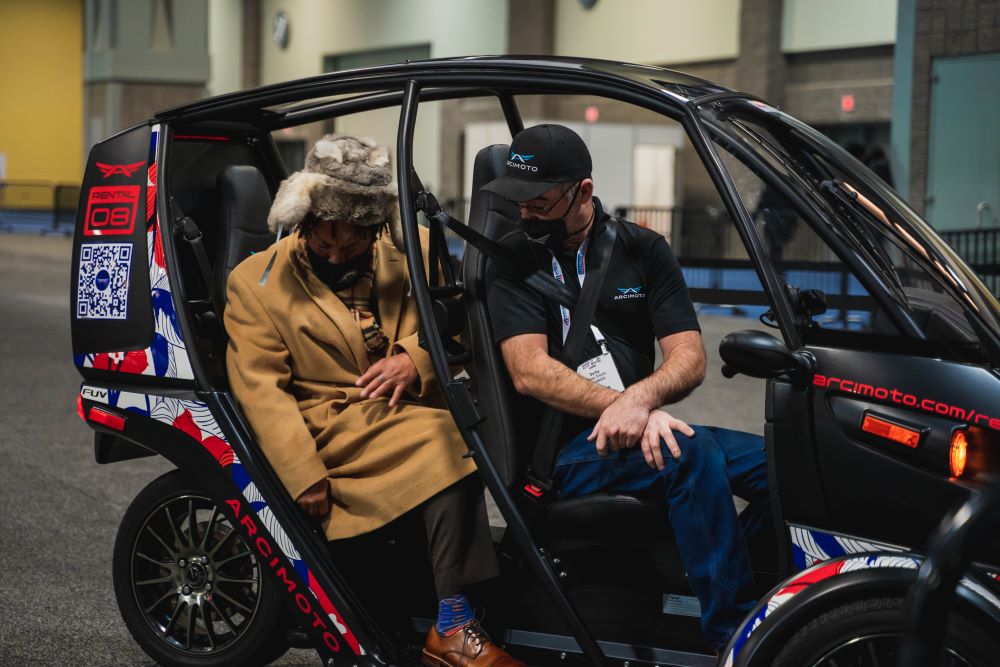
x=102, y=284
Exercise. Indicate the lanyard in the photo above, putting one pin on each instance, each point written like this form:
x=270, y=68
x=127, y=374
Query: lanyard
x=581, y=275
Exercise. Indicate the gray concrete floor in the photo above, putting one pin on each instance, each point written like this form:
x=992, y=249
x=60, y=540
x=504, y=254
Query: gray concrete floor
x=59, y=510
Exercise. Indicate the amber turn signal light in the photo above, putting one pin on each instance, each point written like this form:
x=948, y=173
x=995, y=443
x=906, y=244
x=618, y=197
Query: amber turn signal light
x=958, y=453
x=886, y=429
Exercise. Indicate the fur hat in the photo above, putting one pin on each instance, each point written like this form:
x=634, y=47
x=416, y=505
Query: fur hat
x=344, y=178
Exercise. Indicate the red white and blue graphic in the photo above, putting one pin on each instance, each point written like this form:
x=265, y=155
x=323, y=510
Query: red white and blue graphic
x=167, y=356
x=828, y=555
x=805, y=579
x=811, y=546
x=195, y=419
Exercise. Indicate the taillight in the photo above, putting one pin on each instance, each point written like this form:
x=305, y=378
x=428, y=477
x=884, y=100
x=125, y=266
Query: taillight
x=109, y=419
x=958, y=453
x=79, y=407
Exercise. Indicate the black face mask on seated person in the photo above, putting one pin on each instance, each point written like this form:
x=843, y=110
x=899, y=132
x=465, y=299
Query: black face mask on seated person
x=549, y=233
x=340, y=276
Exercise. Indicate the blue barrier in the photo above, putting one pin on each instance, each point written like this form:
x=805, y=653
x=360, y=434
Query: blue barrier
x=38, y=207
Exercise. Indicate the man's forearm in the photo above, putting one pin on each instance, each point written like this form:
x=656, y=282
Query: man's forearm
x=549, y=381
x=681, y=372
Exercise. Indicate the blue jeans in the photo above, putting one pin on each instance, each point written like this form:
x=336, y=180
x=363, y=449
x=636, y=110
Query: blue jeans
x=714, y=464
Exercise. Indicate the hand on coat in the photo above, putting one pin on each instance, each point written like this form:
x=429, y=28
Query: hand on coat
x=316, y=499
x=397, y=374
x=662, y=424
x=620, y=426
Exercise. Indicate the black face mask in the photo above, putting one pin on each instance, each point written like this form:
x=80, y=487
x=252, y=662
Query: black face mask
x=548, y=233
x=340, y=276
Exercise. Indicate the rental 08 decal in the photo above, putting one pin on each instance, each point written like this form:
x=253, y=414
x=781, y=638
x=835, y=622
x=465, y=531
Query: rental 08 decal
x=102, y=289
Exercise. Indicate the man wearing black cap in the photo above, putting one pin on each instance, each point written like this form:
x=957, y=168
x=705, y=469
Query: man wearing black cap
x=616, y=437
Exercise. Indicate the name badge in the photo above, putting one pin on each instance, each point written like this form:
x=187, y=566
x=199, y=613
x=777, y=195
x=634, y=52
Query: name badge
x=601, y=370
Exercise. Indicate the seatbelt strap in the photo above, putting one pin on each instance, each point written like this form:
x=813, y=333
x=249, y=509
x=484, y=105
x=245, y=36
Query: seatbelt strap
x=188, y=230
x=538, y=280
x=547, y=445
x=438, y=251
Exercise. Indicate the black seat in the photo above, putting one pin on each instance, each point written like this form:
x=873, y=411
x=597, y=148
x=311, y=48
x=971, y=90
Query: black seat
x=601, y=515
x=244, y=201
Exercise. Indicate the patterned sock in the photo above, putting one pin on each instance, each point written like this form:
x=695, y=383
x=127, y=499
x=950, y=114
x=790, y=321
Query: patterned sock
x=453, y=613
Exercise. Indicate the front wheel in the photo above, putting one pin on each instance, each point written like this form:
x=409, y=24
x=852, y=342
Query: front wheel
x=866, y=633
x=189, y=589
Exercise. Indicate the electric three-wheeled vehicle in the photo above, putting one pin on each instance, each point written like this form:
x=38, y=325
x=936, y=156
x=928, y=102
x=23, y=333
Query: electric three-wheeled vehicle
x=882, y=394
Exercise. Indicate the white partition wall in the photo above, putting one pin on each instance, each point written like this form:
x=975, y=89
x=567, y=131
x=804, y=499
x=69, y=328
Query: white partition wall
x=633, y=164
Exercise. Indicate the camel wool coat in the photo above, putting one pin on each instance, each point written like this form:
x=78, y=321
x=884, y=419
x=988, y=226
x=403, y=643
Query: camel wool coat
x=295, y=351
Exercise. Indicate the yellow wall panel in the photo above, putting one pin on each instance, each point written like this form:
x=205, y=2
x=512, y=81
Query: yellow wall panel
x=41, y=89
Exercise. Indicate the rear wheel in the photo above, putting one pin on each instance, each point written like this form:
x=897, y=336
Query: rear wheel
x=189, y=588
x=865, y=633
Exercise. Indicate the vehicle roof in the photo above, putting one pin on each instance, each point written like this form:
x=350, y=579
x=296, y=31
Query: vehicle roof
x=679, y=86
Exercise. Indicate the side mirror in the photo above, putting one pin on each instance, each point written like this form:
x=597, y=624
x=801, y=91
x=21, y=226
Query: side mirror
x=761, y=355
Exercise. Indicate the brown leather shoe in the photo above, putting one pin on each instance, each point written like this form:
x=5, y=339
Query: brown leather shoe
x=469, y=646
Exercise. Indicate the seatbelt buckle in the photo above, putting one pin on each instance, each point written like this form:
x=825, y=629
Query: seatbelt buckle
x=536, y=489
x=533, y=491
x=188, y=229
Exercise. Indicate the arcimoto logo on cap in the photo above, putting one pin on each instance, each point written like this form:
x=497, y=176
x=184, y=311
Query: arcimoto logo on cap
x=520, y=161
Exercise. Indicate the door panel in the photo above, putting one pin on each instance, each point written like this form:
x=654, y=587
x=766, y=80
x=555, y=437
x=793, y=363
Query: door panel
x=793, y=452
x=879, y=488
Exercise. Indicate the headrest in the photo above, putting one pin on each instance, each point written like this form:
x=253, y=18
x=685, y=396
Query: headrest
x=244, y=202
x=490, y=163
x=245, y=199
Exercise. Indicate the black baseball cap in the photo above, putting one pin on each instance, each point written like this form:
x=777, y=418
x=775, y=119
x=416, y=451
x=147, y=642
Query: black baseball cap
x=540, y=158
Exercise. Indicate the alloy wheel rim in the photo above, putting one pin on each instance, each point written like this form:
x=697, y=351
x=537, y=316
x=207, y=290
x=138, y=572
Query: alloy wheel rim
x=876, y=650
x=195, y=582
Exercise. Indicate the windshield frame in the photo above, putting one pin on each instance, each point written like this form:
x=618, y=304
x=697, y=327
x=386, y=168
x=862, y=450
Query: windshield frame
x=951, y=272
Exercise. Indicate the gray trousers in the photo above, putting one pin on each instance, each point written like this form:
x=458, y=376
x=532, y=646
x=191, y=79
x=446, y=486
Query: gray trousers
x=458, y=537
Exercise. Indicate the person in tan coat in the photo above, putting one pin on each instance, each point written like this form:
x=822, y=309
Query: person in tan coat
x=324, y=360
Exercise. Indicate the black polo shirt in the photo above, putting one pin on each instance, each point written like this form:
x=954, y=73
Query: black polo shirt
x=644, y=297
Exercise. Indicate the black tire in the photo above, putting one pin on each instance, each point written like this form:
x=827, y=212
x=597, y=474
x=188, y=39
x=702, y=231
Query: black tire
x=215, y=609
x=865, y=633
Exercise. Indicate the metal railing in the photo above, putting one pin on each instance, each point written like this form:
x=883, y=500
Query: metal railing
x=981, y=249
x=718, y=271
x=38, y=206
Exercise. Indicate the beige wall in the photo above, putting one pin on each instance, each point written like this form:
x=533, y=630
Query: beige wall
x=649, y=31
x=332, y=27
x=815, y=25
x=41, y=89
x=225, y=46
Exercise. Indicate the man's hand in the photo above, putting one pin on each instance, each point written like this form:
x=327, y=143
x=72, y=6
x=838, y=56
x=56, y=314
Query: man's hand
x=316, y=499
x=662, y=424
x=397, y=374
x=621, y=425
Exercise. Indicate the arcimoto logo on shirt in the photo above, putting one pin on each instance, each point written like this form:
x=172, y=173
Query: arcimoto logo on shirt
x=629, y=293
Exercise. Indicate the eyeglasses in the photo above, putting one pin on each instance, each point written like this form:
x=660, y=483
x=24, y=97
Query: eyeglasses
x=544, y=210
